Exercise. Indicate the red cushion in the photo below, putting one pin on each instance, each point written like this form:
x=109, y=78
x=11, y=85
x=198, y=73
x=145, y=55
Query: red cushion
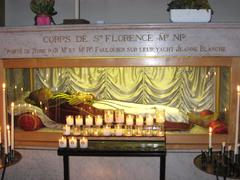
x=205, y=112
x=29, y=122
x=219, y=127
x=177, y=126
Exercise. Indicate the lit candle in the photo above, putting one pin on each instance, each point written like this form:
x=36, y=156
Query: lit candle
x=160, y=116
x=223, y=147
x=89, y=120
x=76, y=131
x=66, y=130
x=12, y=125
x=148, y=132
x=62, y=142
x=70, y=120
x=237, y=121
x=129, y=120
x=107, y=130
x=119, y=116
x=139, y=120
x=79, y=120
x=73, y=142
x=118, y=130
x=98, y=120
x=77, y=7
x=85, y=132
x=210, y=137
x=83, y=142
x=4, y=118
x=138, y=131
x=8, y=136
x=108, y=116
x=128, y=131
x=96, y=132
x=160, y=133
x=149, y=120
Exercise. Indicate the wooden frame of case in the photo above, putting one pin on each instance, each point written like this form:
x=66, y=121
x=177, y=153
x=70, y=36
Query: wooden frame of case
x=174, y=141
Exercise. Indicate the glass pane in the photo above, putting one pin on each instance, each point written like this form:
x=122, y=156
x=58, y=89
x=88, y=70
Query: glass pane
x=193, y=98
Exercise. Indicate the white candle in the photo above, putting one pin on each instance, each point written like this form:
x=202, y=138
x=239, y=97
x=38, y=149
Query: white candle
x=78, y=120
x=139, y=120
x=107, y=130
x=89, y=120
x=83, y=142
x=210, y=138
x=160, y=116
x=149, y=120
x=160, y=133
x=96, y=132
x=0, y=135
x=129, y=120
x=118, y=130
x=8, y=136
x=229, y=148
x=128, y=131
x=77, y=9
x=62, y=142
x=119, y=116
x=12, y=125
x=66, y=130
x=70, y=120
x=108, y=116
x=223, y=146
x=237, y=121
x=73, y=142
x=98, y=120
x=139, y=131
x=4, y=118
x=76, y=131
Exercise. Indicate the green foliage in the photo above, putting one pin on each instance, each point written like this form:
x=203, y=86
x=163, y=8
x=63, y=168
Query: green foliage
x=44, y=7
x=188, y=4
x=76, y=98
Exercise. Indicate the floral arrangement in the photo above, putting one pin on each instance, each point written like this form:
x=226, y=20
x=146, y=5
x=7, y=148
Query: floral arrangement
x=76, y=98
x=43, y=7
x=188, y=4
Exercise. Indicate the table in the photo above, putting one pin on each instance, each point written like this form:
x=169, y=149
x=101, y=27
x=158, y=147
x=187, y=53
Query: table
x=118, y=148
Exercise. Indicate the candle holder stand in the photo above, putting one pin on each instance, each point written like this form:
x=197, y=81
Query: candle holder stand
x=219, y=163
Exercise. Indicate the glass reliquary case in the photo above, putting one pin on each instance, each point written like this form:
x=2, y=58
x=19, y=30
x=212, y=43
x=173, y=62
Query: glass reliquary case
x=114, y=101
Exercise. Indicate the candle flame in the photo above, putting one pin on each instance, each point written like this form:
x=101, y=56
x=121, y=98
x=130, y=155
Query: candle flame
x=238, y=88
x=3, y=85
x=210, y=130
x=12, y=104
x=8, y=127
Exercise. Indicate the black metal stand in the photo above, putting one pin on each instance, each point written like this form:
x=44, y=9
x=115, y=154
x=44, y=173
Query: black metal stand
x=117, y=148
x=9, y=160
x=218, y=164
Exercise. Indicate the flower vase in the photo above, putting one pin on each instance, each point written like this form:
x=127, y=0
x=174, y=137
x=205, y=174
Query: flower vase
x=43, y=20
